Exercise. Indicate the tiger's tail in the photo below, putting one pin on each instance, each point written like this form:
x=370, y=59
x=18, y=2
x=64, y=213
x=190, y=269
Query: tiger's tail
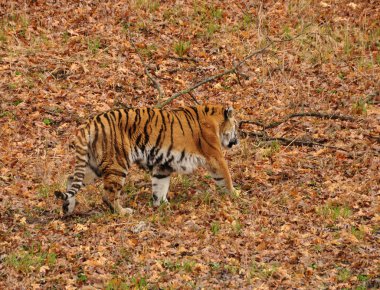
x=81, y=163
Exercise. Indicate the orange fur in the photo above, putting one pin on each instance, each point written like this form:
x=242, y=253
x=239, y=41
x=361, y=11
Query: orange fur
x=158, y=140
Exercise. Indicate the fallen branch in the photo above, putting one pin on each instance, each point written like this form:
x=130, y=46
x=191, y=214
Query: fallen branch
x=214, y=77
x=306, y=114
x=234, y=69
x=146, y=68
x=291, y=142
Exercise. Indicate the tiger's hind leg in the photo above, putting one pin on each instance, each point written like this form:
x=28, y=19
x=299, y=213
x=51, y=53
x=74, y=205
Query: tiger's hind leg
x=113, y=184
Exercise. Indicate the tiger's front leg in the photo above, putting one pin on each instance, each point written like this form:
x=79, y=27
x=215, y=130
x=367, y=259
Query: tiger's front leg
x=219, y=172
x=160, y=187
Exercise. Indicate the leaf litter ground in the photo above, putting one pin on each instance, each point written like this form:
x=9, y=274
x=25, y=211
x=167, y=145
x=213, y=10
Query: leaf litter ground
x=308, y=217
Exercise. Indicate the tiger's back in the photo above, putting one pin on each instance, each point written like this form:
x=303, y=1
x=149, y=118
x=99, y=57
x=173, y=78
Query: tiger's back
x=158, y=140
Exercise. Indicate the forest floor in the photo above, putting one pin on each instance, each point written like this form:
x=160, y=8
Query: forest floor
x=308, y=217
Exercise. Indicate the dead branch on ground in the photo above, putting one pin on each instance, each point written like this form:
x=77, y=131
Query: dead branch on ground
x=263, y=136
x=305, y=114
x=234, y=69
x=214, y=77
x=290, y=142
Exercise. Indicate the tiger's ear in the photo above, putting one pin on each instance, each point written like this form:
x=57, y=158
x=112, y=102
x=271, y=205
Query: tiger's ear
x=228, y=113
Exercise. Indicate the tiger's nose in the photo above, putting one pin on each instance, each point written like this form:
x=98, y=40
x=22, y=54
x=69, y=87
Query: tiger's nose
x=233, y=142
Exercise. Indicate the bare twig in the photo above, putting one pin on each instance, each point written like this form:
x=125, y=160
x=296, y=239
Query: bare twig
x=214, y=77
x=257, y=123
x=291, y=142
x=234, y=69
x=152, y=79
x=306, y=114
x=238, y=78
x=289, y=38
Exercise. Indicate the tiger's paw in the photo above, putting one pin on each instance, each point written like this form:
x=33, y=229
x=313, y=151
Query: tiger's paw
x=158, y=203
x=236, y=192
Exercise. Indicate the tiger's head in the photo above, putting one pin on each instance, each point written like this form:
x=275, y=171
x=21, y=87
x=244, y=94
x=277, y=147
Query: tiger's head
x=228, y=129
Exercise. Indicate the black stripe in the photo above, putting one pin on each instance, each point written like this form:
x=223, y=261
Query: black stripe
x=188, y=122
x=119, y=120
x=81, y=138
x=179, y=122
x=139, y=117
x=187, y=112
x=158, y=160
x=119, y=157
x=126, y=120
x=196, y=112
x=162, y=137
x=155, y=124
x=182, y=155
x=80, y=166
x=160, y=176
x=201, y=131
x=163, y=119
x=171, y=137
x=156, y=148
x=81, y=151
x=70, y=193
x=81, y=160
x=218, y=178
x=79, y=175
x=138, y=140
x=104, y=139
x=95, y=170
x=132, y=129
x=146, y=135
x=96, y=128
x=111, y=137
x=122, y=136
x=112, y=113
x=116, y=172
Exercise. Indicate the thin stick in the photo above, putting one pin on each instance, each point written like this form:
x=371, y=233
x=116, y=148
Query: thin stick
x=306, y=114
x=291, y=142
x=229, y=71
x=214, y=77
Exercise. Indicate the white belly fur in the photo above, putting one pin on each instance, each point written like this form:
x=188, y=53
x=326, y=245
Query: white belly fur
x=187, y=165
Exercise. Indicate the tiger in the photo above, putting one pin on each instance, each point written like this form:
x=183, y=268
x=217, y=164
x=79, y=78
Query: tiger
x=159, y=140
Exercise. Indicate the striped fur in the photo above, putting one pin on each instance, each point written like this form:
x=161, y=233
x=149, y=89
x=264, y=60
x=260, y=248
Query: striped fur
x=161, y=141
